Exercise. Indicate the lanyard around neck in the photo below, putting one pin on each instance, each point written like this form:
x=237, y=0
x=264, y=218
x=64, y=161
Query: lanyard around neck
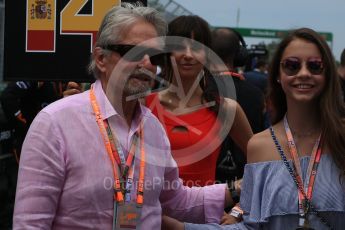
x=116, y=157
x=312, y=167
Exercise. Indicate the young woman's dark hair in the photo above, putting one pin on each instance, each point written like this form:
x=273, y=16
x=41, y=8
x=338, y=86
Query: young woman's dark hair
x=195, y=28
x=330, y=104
x=191, y=26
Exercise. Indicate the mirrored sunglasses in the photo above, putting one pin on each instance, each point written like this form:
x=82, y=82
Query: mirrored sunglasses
x=291, y=66
x=157, y=57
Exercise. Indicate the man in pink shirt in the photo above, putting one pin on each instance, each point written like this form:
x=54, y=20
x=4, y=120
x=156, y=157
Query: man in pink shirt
x=99, y=159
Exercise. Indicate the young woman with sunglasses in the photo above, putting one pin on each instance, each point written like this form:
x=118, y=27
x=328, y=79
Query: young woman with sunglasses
x=190, y=116
x=295, y=174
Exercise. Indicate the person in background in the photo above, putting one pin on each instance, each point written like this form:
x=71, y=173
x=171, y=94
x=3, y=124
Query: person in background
x=8, y=173
x=295, y=174
x=226, y=44
x=190, y=112
x=258, y=76
x=22, y=100
x=101, y=160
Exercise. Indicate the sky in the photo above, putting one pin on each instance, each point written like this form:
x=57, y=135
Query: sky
x=320, y=15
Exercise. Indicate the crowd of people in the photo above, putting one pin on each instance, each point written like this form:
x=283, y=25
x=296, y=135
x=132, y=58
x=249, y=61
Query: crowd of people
x=200, y=146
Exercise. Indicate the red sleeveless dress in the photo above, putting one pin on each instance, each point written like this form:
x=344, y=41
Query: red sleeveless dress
x=194, y=140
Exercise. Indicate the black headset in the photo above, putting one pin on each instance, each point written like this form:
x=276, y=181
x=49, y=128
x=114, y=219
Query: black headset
x=242, y=53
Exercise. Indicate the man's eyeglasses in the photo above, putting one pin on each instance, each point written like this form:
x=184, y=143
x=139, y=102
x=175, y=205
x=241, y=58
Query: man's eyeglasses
x=292, y=65
x=157, y=57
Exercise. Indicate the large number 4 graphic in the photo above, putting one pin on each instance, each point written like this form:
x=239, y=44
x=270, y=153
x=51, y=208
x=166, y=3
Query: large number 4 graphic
x=41, y=22
x=73, y=23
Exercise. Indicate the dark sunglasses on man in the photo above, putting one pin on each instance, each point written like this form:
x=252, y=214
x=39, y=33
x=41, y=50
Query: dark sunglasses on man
x=292, y=65
x=157, y=57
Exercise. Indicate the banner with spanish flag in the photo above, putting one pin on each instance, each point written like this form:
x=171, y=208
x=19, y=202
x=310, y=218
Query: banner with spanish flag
x=40, y=32
x=51, y=40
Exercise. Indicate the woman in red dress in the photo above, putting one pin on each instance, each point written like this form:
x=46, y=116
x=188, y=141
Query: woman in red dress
x=195, y=119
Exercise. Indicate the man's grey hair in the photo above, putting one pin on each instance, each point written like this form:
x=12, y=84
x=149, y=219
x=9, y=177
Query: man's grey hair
x=120, y=18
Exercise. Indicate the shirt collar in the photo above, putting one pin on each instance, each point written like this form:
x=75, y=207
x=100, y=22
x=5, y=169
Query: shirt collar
x=107, y=110
x=104, y=104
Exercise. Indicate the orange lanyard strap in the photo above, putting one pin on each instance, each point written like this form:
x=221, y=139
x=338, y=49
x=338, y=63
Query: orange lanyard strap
x=130, y=157
x=233, y=74
x=118, y=152
x=118, y=196
x=312, y=167
x=112, y=147
x=140, y=192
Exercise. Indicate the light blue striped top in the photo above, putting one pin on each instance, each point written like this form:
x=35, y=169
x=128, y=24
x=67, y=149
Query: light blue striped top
x=269, y=197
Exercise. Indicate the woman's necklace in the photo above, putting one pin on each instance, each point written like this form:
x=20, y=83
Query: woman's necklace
x=299, y=134
x=304, y=137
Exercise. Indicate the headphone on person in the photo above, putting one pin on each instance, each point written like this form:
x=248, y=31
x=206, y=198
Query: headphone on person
x=242, y=54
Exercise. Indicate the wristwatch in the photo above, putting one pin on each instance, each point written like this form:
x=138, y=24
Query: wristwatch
x=236, y=212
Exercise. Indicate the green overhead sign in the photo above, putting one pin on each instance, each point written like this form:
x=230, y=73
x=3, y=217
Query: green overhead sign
x=267, y=33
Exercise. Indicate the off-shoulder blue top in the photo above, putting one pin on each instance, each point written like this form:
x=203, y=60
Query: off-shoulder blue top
x=269, y=197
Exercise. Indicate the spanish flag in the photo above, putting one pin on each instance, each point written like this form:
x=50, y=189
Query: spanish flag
x=40, y=27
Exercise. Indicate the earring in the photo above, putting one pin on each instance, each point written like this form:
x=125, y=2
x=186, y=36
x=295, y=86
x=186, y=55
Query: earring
x=278, y=81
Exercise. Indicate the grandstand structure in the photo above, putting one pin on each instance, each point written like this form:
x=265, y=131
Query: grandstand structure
x=169, y=8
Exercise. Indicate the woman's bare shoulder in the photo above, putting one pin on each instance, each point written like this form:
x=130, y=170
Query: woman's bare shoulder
x=230, y=103
x=261, y=148
x=232, y=107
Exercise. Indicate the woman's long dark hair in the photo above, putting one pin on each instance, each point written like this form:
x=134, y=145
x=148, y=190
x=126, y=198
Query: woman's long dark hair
x=196, y=28
x=330, y=104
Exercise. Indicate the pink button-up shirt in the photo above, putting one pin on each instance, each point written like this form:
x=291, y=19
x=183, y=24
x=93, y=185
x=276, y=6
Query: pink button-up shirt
x=66, y=178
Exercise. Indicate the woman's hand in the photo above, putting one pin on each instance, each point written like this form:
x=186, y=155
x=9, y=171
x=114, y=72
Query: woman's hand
x=228, y=219
x=72, y=88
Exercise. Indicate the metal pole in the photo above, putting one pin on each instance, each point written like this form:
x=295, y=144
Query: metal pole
x=238, y=17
